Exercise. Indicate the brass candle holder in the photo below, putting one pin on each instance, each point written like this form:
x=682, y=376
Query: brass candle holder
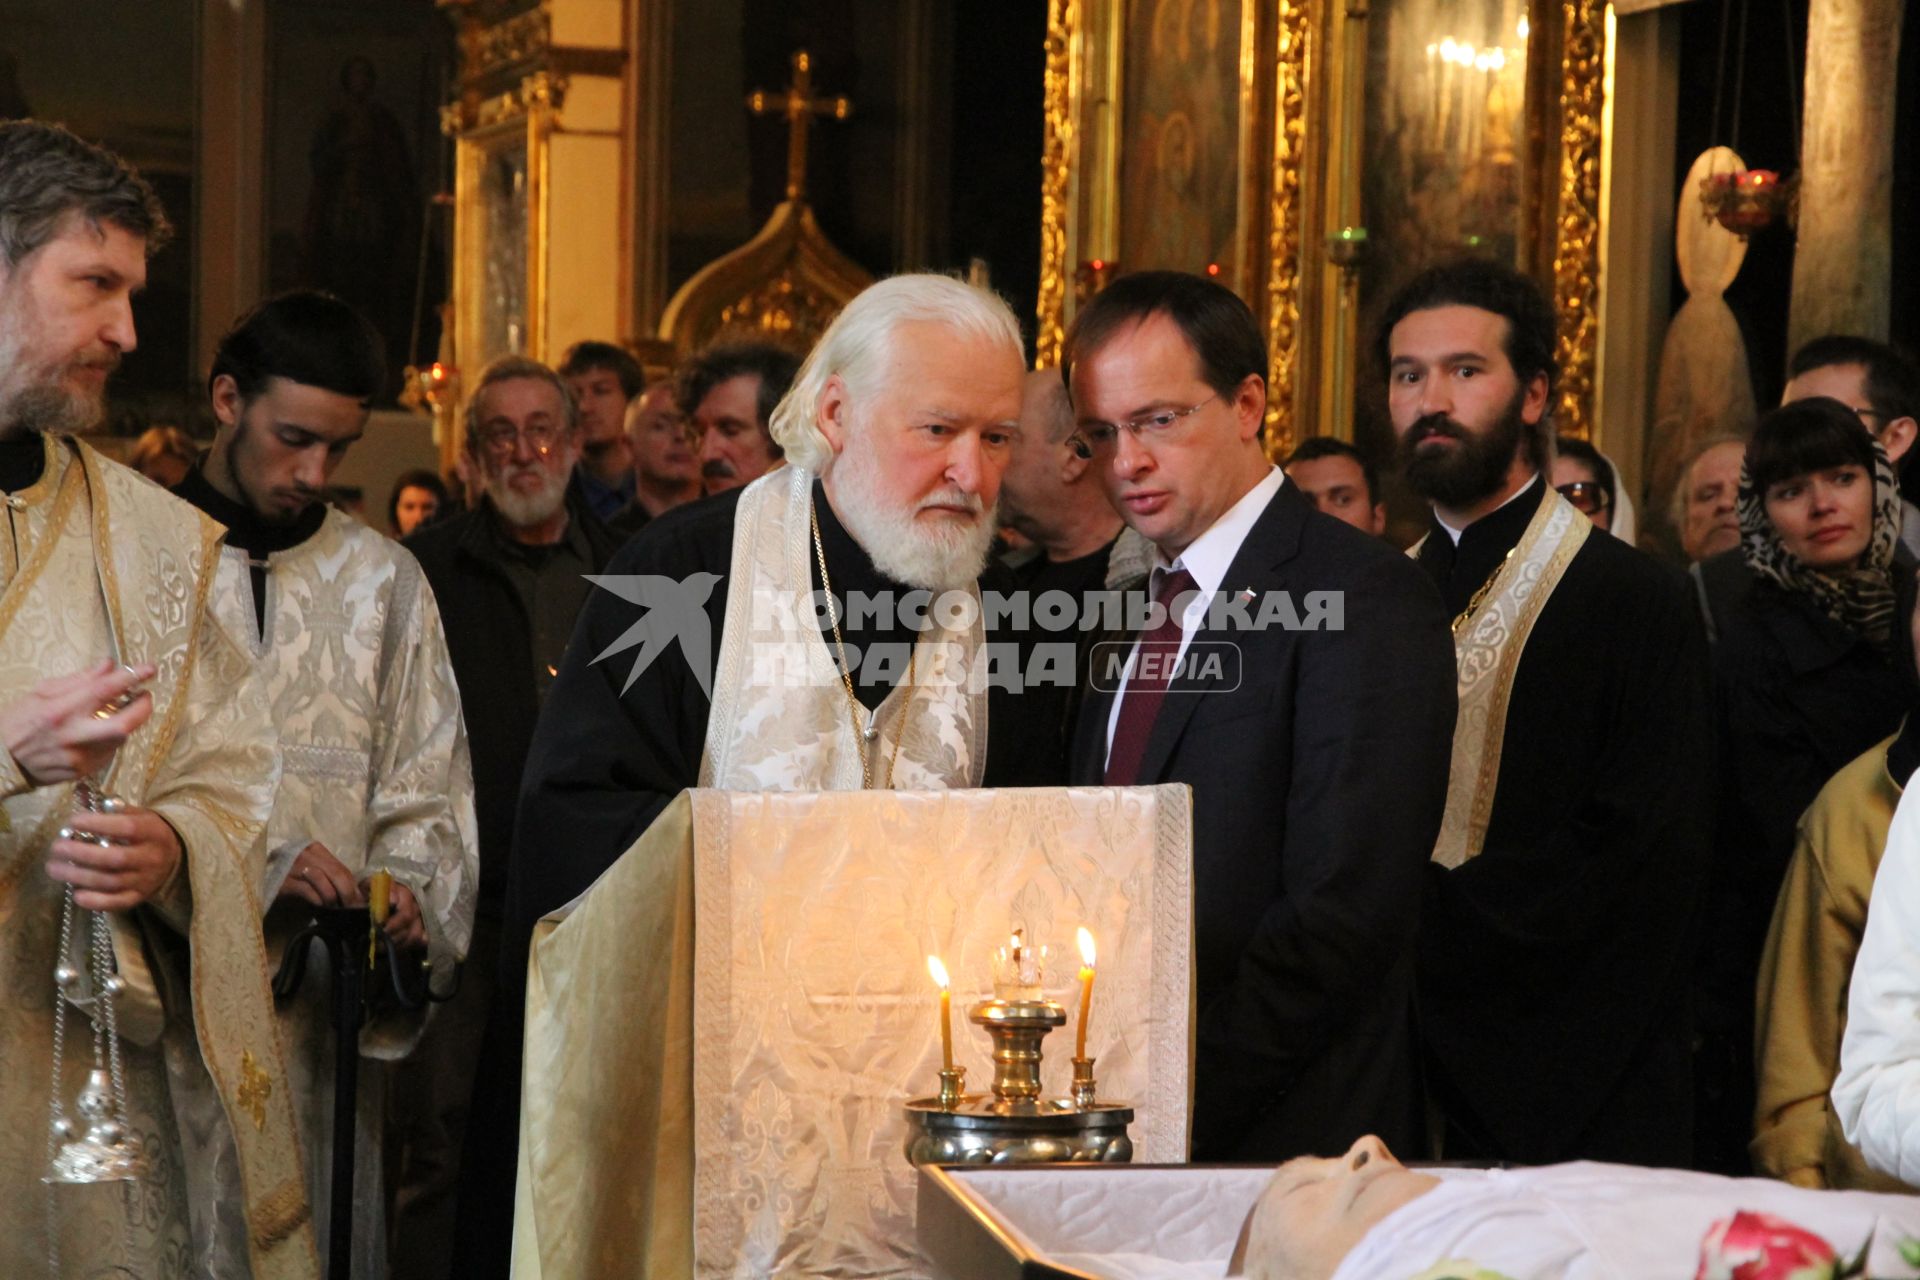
x=1015, y=1124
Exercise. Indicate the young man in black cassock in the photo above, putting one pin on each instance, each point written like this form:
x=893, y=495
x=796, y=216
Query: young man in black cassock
x=1553, y=966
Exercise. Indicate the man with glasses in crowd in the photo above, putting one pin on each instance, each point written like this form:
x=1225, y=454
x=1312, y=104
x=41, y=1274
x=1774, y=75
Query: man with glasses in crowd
x=510, y=578
x=1316, y=748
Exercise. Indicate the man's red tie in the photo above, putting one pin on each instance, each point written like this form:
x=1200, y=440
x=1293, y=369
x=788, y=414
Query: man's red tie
x=1147, y=684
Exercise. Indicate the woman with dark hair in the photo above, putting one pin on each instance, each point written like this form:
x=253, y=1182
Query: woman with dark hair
x=1813, y=667
x=419, y=498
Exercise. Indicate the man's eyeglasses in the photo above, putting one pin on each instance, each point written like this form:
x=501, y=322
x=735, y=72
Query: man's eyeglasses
x=1167, y=424
x=1588, y=497
x=501, y=438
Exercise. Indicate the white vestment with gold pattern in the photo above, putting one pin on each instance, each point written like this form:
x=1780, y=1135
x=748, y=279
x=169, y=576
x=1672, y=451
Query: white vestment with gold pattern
x=373, y=765
x=95, y=563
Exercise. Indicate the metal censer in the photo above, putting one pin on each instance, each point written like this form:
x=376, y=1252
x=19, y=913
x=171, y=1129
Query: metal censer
x=1014, y=1124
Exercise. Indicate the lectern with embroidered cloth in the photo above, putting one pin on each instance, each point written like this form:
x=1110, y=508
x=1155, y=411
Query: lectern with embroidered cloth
x=722, y=1031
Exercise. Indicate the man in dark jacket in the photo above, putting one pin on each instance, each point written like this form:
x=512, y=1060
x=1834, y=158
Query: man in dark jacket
x=1316, y=748
x=510, y=579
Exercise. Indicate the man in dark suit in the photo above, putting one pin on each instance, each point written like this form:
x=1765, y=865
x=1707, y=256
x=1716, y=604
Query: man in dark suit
x=1312, y=719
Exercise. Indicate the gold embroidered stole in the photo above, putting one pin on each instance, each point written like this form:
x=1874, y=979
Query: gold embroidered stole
x=1487, y=650
x=780, y=719
x=156, y=558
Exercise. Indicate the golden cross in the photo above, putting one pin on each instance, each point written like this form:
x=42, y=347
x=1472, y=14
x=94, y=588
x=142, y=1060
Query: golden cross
x=799, y=106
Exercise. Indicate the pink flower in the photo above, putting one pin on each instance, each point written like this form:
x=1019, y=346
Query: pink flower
x=1759, y=1246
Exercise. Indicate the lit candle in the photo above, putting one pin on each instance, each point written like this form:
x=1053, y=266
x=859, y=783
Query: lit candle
x=939, y=972
x=1086, y=991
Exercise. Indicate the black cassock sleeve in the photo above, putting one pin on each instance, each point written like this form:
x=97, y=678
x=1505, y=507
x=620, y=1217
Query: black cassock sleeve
x=604, y=763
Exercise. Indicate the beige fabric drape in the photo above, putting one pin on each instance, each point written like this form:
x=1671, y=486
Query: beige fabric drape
x=722, y=1031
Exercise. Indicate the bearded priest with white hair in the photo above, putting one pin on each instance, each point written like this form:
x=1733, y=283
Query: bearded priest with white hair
x=896, y=433
x=703, y=659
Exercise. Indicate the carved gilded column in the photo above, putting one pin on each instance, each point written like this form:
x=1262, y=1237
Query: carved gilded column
x=1286, y=213
x=1056, y=149
x=1577, y=230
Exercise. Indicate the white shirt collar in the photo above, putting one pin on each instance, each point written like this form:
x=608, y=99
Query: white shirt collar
x=1211, y=554
x=1514, y=497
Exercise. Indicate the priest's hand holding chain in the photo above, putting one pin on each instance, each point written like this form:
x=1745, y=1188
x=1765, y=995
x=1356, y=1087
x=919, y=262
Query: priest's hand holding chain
x=63, y=728
x=140, y=855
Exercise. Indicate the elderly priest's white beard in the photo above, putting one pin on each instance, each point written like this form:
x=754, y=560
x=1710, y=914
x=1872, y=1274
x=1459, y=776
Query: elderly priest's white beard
x=937, y=551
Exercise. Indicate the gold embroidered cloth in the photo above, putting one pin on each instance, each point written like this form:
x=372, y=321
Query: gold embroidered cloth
x=721, y=1032
x=1487, y=653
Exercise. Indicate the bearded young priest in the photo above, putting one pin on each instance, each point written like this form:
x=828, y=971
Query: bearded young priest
x=1551, y=983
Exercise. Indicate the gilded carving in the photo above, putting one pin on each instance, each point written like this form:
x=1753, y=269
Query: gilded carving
x=1062, y=18
x=1576, y=254
x=1293, y=51
x=255, y=1089
x=784, y=309
x=787, y=283
x=520, y=39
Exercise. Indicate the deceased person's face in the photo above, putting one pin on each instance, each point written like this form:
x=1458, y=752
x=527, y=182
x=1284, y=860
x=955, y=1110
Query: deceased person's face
x=1316, y=1210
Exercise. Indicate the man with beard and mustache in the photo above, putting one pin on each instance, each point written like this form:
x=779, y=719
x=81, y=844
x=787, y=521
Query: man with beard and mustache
x=346, y=640
x=1551, y=984
x=511, y=579
x=1317, y=754
x=113, y=669
x=727, y=394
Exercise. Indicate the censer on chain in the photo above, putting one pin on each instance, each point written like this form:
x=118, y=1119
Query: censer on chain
x=85, y=976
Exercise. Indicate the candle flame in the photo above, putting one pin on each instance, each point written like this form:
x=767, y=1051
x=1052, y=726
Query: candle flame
x=938, y=970
x=1086, y=947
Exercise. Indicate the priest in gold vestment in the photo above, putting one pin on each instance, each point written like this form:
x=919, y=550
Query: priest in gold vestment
x=97, y=568
x=345, y=638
